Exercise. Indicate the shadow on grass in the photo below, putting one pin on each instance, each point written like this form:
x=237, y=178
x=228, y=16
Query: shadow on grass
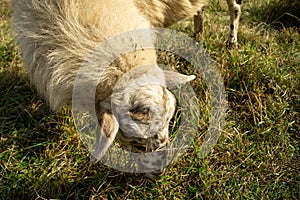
x=40, y=152
x=280, y=14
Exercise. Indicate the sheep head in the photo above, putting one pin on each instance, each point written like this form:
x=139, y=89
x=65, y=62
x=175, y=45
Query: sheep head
x=139, y=111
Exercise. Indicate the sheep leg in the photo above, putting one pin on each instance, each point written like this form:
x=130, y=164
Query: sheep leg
x=235, y=14
x=199, y=24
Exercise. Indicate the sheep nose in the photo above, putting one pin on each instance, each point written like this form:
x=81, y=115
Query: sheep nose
x=164, y=140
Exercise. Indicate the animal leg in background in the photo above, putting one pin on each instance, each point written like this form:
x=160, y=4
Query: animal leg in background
x=234, y=7
x=235, y=11
x=199, y=24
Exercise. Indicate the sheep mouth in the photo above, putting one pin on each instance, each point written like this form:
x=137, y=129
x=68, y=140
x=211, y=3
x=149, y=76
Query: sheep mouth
x=139, y=145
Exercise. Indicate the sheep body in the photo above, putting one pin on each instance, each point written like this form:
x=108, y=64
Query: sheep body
x=163, y=13
x=56, y=36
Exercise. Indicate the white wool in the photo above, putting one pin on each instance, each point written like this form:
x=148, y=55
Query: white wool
x=56, y=36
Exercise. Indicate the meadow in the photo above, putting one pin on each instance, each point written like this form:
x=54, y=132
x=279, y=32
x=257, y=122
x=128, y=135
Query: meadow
x=257, y=155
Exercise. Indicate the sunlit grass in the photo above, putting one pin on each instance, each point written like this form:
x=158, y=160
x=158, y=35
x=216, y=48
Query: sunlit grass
x=257, y=155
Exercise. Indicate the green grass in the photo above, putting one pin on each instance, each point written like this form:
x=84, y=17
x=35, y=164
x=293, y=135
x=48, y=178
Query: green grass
x=257, y=155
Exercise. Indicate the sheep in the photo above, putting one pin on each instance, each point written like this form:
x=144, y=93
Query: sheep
x=235, y=11
x=163, y=13
x=56, y=37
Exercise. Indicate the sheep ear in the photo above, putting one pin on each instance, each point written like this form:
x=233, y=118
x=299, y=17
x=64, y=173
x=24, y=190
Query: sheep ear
x=174, y=78
x=106, y=134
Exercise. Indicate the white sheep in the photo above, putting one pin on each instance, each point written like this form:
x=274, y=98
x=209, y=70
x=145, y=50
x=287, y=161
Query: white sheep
x=235, y=12
x=163, y=13
x=56, y=37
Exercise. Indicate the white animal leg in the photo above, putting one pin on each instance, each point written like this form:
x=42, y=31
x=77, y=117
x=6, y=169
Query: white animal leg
x=235, y=14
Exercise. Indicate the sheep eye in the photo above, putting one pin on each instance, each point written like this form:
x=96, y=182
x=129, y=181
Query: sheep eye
x=141, y=115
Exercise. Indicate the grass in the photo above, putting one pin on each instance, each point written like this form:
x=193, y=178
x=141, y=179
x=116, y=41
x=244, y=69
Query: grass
x=257, y=155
